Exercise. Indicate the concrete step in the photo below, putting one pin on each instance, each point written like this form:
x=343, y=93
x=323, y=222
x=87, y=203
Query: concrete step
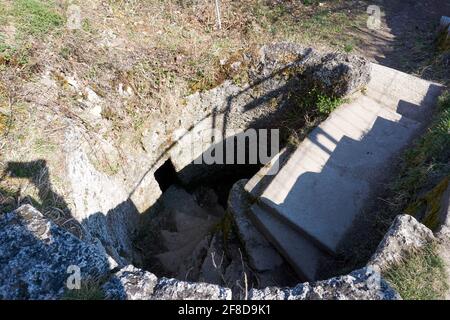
x=351, y=123
x=176, y=199
x=334, y=173
x=259, y=182
x=341, y=159
x=299, y=251
x=406, y=94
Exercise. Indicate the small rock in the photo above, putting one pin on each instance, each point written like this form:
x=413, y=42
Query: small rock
x=125, y=91
x=96, y=111
x=131, y=283
x=92, y=96
x=404, y=236
x=212, y=267
x=73, y=82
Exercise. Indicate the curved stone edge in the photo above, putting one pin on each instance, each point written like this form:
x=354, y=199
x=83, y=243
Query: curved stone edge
x=404, y=236
x=131, y=283
x=361, y=284
x=37, y=253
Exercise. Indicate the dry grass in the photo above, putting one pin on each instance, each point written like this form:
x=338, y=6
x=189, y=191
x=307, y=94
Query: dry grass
x=90, y=290
x=421, y=276
x=157, y=51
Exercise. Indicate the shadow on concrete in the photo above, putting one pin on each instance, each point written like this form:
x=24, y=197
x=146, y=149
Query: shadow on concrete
x=336, y=198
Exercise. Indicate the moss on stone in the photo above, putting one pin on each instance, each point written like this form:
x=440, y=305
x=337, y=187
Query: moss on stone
x=427, y=208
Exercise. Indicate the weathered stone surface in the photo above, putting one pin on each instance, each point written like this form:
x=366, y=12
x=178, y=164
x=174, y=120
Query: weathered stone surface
x=336, y=74
x=404, y=236
x=130, y=283
x=362, y=284
x=303, y=256
x=261, y=254
x=214, y=262
x=182, y=230
x=339, y=74
x=100, y=202
x=172, y=289
x=35, y=254
x=278, y=70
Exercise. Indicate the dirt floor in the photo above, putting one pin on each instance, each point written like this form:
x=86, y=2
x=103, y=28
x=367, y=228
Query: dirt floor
x=406, y=38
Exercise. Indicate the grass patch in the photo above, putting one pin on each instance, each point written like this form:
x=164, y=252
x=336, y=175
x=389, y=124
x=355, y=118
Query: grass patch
x=308, y=21
x=31, y=18
x=90, y=290
x=10, y=55
x=35, y=17
x=429, y=157
x=43, y=146
x=310, y=109
x=326, y=105
x=421, y=276
x=348, y=47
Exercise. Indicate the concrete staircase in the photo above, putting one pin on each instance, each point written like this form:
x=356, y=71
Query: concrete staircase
x=307, y=208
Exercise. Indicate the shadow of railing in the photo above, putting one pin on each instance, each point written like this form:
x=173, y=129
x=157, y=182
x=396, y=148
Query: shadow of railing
x=329, y=192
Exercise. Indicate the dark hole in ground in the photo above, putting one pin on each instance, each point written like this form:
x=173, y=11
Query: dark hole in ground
x=243, y=161
x=224, y=178
x=166, y=175
x=188, y=235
